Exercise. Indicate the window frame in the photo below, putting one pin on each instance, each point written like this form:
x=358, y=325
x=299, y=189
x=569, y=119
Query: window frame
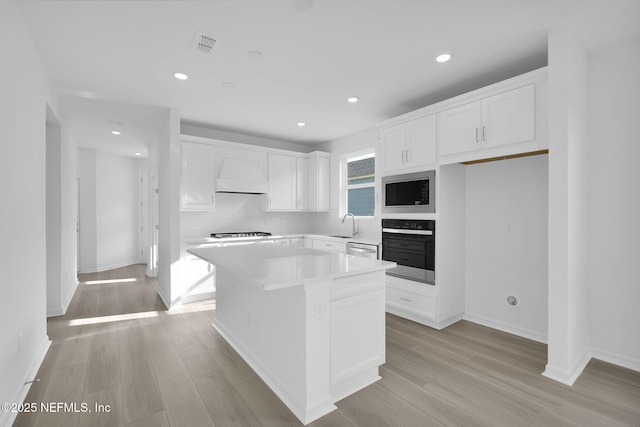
x=344, y=180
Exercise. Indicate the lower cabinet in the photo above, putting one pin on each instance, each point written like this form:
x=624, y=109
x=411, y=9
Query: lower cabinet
x=329, y=246
x=199, y=279
x=408, y=297
x=357, y=316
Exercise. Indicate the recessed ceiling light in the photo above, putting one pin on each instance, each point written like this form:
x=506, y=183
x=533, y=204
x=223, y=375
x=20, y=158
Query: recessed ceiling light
x=116, y=132
x=137, y=153
x=301, y=124
x=227, y=85
x=180, y=76
x=443, y=58
x=255, y=55
x=353, y=99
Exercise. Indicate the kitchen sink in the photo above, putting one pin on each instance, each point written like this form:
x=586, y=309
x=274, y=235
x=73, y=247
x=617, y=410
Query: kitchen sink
x=342, y=237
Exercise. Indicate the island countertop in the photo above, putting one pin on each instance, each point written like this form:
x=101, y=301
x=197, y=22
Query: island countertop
x=275, y=267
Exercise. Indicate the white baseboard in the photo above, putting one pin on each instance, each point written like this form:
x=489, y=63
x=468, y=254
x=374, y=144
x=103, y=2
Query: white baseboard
x=7, y=418
x=163, y=298
x=615, y=358
x=61, y=311
x=505, y=327
x=569, y=376
x=100, y=268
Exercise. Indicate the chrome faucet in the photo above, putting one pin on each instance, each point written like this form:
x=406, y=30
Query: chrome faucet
x=353, y=227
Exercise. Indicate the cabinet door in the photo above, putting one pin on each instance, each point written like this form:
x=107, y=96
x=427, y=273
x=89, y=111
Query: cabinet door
x=319, y=182
x=460, y=128
x=394, y=147
x=302, y=183
x=197, y=188
x=357, y=335
x=282, y=182
x=421, y=141
x=509, y=117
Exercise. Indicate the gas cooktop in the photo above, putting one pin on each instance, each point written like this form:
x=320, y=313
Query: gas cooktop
x=240, y=234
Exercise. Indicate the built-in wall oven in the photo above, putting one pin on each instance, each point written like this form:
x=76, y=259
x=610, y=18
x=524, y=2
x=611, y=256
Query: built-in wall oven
x=410, y=244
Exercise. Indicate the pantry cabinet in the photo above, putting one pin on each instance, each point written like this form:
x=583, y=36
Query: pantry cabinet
x=410, y=145
x=505, y=118
x=197, y=186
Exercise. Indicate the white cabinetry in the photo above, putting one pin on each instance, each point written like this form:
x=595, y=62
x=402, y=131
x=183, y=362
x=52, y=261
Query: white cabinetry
x=356, y=345
x=505, y=118
x=412, y=298
x=411, y=144
x=282, y=182
x=329, y=245
x=302, y=183
x=197, y=186
x=299, y=182
x=319, y=181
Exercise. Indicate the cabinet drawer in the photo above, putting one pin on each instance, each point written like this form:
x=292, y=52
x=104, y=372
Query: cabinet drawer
x=325, y=245
x=421, y=304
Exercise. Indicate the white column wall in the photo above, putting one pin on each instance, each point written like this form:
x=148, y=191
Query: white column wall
x=568, y=335
x=169, y=267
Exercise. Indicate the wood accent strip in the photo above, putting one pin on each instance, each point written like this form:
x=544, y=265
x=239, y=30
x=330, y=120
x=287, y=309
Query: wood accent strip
x=511, y=156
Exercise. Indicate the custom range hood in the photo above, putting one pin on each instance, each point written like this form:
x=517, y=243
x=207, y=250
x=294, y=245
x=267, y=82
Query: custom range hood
x=242, y=176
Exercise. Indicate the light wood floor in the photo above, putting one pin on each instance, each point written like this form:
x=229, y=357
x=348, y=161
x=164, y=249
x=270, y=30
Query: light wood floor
x=118, y=346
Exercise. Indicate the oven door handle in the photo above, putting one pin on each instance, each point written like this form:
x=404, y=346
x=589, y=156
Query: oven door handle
x=404, y=231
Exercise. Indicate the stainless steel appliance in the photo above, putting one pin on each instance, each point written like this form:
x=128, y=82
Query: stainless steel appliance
x=410, y=244
x=366, y=250
x=409, y=193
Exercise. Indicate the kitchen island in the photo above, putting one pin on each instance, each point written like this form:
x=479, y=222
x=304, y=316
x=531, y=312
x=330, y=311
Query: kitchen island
x=310, y=323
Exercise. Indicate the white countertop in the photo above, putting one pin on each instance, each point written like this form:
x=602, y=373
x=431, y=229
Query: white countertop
x=278, y=267
x=368, y=239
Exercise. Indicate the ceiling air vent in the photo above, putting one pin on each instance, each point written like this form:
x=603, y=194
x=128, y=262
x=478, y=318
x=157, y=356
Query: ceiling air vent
x=204, y=43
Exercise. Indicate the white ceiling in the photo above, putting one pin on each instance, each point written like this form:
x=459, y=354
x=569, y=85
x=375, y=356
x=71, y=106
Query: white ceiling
x=125, y=52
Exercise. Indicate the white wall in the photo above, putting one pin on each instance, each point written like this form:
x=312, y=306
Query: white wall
x=194, y=129
x=23, y=308
x=568, y=336
x=245, y=212
x=87, y=201
x=118, y=209
x=613, y=237
x=506, y=245
x=109, y=210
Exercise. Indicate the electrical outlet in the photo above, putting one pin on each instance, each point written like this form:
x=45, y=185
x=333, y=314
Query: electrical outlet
x=319, y=310
x=508, y=226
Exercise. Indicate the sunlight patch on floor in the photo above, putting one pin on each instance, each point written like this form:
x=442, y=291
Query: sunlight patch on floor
x=102, y=282
x=112, y=318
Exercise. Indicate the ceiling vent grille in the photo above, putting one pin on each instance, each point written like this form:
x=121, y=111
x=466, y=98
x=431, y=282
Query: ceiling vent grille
x=204, y=43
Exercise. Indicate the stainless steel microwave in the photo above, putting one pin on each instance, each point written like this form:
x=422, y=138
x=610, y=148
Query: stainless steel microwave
x=409, y=193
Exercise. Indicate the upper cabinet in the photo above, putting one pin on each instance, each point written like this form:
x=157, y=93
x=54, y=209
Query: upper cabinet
x=302, y=183
x=282, y=174
x=505, y=118
x=410, y=145
x=319, y=181
x=299, y=182
x=197, y=177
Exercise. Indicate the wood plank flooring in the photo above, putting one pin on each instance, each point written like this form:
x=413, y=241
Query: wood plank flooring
x=118, y=346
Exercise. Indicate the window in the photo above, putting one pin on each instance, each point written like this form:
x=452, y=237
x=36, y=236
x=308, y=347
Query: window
x=359, y=184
